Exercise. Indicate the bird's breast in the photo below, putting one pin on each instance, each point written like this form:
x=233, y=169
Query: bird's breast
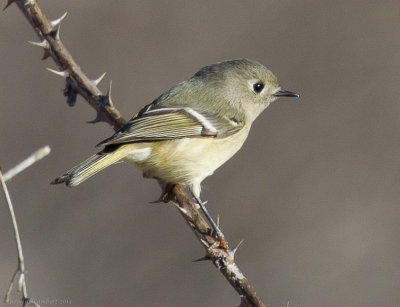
x=185, y=160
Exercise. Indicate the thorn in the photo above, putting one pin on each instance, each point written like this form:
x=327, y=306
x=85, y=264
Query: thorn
x=218, y=220
x=9, y=2
x=205, y=243
x=99, y=118
x=46, y=54
x=206, y=257
x=56, y=22
x=46, y=47
x=198, y=206
x=98, y=80
x=237, y=246
x=156, y=202
x=109, y=95
x=56, y=32
x=183, y=210
x=63, y=73
x=43, y=43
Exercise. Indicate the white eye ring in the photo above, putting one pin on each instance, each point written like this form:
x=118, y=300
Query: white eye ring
x=256, y=86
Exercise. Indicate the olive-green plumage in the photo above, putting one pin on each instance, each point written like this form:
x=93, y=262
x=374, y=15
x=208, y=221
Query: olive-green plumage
x=185, y=134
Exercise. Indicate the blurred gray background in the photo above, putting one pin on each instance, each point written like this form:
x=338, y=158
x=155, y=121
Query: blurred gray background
x=314, y=192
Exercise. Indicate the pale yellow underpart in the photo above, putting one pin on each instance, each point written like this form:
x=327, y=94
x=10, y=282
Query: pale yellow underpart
x=188, y=160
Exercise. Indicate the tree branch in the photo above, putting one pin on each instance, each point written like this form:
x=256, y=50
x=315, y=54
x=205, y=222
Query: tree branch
x=77, y=82
x=217, y=249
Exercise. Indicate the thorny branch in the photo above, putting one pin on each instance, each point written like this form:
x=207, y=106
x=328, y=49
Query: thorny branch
x=76, y=81
x=217, y=250
x=20, y=271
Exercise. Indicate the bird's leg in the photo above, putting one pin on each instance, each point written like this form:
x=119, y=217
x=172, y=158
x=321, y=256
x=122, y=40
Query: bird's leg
x=215, y=227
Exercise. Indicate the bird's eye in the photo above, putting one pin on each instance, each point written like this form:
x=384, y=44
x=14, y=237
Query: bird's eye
x=258, y=87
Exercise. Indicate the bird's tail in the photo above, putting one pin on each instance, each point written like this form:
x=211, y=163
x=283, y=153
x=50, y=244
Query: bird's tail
x=91, y=166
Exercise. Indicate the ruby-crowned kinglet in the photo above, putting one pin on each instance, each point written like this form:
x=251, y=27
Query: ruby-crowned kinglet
x=192, y=129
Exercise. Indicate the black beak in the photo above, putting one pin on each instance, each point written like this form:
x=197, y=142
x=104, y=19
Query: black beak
x=283, y=93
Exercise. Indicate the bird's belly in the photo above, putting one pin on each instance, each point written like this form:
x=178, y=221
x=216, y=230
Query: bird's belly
x=187, y=160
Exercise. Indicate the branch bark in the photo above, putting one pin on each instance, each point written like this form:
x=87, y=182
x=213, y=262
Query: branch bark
x=217, y=249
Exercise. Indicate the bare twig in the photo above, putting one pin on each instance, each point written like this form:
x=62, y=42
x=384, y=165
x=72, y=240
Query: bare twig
x=217, y=250
x=36, y=156
x=21, y=264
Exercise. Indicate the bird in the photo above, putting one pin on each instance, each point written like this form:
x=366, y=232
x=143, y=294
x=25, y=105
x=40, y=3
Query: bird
x=190, y=130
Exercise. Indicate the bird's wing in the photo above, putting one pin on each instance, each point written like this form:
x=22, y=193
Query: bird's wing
x=156, y=124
